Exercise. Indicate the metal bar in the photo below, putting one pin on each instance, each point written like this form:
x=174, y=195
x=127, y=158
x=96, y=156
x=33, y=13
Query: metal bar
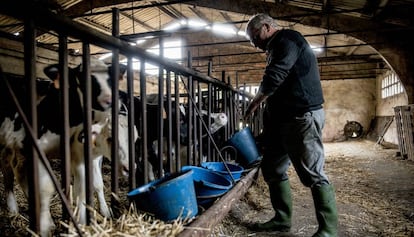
x=177, y=124
x=144, y=123
x=169, y=122
x=30, y=72
x=58, y=23
x=64, y=113
x=87, y=122
x=131, y=125
x=115, y=117
x=200, y=125
x=161, y=110
x=190, y=112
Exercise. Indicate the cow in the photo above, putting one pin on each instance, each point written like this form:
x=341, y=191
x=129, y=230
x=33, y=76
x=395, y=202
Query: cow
x=218, y=120
x=14, y=141
x=213, y=132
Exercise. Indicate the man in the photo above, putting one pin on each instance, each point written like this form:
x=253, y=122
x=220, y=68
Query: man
x=293, y=122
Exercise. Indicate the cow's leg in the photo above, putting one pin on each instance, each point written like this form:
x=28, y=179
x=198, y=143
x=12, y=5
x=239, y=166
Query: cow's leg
x=99, y=186
x=79, y=190
x=7, y=154
x=10, y=145
x=46, y=191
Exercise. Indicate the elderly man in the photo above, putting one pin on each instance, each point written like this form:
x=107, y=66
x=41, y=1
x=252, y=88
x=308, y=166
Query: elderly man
x=293, y=122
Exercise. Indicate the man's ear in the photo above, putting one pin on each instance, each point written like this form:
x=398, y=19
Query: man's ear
x=267, y=26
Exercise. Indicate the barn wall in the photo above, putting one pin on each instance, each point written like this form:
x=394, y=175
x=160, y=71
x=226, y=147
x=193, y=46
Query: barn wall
x=11, y=58
x=385, y=111
x=347, y=100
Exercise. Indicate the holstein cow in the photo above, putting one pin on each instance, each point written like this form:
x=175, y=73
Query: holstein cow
x=152, y=134
x=212, y=130
x=218, y=120
x=14, y=141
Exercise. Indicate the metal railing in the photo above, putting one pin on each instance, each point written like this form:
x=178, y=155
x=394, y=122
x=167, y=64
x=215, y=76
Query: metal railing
x=216, y=95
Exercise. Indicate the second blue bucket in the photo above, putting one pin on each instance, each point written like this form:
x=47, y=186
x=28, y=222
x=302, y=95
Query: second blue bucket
x=168, y=198
x=245, y=144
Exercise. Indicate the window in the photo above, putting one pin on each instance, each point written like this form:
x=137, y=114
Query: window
x=391, y=85
x=172, y=50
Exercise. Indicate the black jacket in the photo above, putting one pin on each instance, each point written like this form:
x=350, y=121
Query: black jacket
x=291, y=77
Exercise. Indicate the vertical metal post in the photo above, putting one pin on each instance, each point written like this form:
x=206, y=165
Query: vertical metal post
x=209, y=104
x=115, y=112
x=131, y=123
x=169, y=122
x=64, y=113
x=200, y=125
x=87, y=102
x=190, y=113
x=30, y=73
x=144, y=123
x=177, y=125
x=160, y=109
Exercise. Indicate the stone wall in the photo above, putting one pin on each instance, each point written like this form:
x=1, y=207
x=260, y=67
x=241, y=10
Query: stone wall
x=348, y=100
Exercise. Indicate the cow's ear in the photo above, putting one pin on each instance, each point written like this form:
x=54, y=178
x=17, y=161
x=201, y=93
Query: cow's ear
x=52, y=71
x=122, y=70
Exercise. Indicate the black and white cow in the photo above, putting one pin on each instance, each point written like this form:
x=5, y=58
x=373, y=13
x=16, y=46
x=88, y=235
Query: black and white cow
x=14, y=141
x=218, y=120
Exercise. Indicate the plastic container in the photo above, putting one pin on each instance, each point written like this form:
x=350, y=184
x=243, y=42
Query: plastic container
x=169, y=198
x=245, y=144
x=233, y=173
x=207, y=183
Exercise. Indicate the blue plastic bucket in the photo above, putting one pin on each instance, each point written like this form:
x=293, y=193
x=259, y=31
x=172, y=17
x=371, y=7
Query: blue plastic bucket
x=207, y=183
x=245, y=144
x=169, y=198
x=233, y=172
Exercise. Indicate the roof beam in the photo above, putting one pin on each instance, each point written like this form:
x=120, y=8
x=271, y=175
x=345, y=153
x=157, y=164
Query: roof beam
x=166, y=10
x=133, y=18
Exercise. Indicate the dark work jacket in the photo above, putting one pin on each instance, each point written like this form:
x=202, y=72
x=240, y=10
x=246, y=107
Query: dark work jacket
x=291, y=77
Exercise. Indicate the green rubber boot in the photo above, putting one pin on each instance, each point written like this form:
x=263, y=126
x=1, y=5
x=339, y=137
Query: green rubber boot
x=326, y=212
x=281, y=198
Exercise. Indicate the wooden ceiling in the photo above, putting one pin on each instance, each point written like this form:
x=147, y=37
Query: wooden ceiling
x=344, y=31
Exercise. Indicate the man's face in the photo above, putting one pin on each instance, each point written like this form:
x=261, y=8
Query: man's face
x=258, y=37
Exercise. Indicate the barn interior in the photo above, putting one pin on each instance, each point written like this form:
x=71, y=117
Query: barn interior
x=364, y=50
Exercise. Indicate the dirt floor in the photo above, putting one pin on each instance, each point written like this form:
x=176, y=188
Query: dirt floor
x=374, y=189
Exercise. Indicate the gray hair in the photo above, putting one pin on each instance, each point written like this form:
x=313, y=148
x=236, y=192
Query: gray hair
x=256, y=21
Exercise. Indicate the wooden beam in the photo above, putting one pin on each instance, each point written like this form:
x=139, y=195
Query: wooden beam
x=204, y=224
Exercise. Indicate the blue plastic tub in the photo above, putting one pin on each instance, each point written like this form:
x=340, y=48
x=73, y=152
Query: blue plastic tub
x=233, y=172
x=169, y=198
x=245, y=144
x=207, y=183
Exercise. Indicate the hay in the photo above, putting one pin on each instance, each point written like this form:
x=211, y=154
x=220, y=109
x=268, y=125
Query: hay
x=130, y=223
x=374, y=193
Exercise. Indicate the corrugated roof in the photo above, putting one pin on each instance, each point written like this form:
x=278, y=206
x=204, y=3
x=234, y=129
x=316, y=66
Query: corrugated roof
x=151, y=16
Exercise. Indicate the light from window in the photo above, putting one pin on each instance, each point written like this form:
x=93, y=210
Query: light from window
x=391, y=85
x=172, y=50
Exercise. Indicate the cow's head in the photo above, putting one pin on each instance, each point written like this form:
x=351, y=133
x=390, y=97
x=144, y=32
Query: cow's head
x=100, y=79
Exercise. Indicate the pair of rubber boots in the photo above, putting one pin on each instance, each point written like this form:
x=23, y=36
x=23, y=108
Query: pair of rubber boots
x=325, y=207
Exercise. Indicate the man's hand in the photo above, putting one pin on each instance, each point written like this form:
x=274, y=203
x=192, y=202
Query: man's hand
x=257, y=100
x=250, y=109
